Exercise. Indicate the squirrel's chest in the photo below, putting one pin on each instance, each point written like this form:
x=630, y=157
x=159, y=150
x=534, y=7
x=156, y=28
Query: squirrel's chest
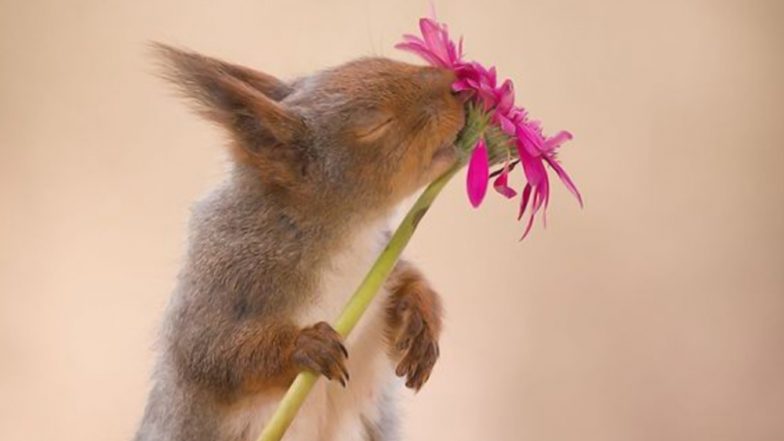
x=333, y=411
x=341, y=277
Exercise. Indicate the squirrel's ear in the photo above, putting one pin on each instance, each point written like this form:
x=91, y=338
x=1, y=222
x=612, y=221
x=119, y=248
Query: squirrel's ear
x=243, y=100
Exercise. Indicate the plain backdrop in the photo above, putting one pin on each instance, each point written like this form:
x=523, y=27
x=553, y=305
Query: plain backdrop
x=655, y=313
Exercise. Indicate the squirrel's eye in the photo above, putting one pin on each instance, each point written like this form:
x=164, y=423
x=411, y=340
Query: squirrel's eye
x=372, y=125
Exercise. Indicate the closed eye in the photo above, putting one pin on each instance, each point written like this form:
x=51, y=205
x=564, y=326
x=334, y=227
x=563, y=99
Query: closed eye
x=375, y=131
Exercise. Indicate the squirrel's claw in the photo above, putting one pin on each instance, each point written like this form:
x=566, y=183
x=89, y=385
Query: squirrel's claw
x=320, y=349
x=418, y=345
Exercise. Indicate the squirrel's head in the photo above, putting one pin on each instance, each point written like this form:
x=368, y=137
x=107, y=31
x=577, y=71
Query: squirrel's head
x=361, y=136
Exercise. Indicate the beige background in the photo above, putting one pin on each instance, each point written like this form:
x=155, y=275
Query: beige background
x=656, y=313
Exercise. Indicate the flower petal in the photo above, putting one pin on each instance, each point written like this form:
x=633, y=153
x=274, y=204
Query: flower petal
x=505, y=97
x=532, y=166
x=501, y=183
x=461, y=85
x=436, y=39
x=412, y=38
x=524, y=201
x=507, y=126
x=554, y=142
x=418, y=48
x=528, y=227
x=478, y=174
x=491, y=76
x=567, y=181
x=523, y=205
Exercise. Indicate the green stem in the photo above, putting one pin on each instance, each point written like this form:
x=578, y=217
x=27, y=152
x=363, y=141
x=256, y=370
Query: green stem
x=298, y=391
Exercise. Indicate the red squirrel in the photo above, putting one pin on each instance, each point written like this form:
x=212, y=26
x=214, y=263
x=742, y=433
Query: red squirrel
x=318, y=166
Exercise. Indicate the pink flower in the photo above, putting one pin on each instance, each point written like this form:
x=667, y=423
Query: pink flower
x=534, y=149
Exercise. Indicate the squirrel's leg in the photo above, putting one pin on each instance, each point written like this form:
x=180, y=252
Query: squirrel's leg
x=248, y=357
x=413, y=324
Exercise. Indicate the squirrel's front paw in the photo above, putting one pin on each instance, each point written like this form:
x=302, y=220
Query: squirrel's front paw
x=319, y=348
x=414, y=327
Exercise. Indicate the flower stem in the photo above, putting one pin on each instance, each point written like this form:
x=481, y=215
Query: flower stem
x=298, y=391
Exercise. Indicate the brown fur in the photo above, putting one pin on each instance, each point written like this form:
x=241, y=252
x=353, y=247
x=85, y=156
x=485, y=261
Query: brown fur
x=414, y=319
x=313, y=159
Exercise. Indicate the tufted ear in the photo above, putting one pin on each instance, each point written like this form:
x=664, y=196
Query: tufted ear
x=243, y=100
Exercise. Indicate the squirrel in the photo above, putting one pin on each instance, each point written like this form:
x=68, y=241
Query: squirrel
x=318, y=166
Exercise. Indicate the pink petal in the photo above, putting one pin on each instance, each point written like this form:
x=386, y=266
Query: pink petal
x=436, y=40
x=478, y=173
x=554, y=142
x=506, y=97
x=528, y=227
x=530, y=139
x=523, y=205
x=461, y=85
x=532, y=166
x=418, y=49
x=543, y=193
x=506, y=124
x=491, y=76
x=517, y=115
x=429, y=29
x=501, y=183
x=567, y=181
x=524, y=201
x=544, y=188
x=535, y=205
